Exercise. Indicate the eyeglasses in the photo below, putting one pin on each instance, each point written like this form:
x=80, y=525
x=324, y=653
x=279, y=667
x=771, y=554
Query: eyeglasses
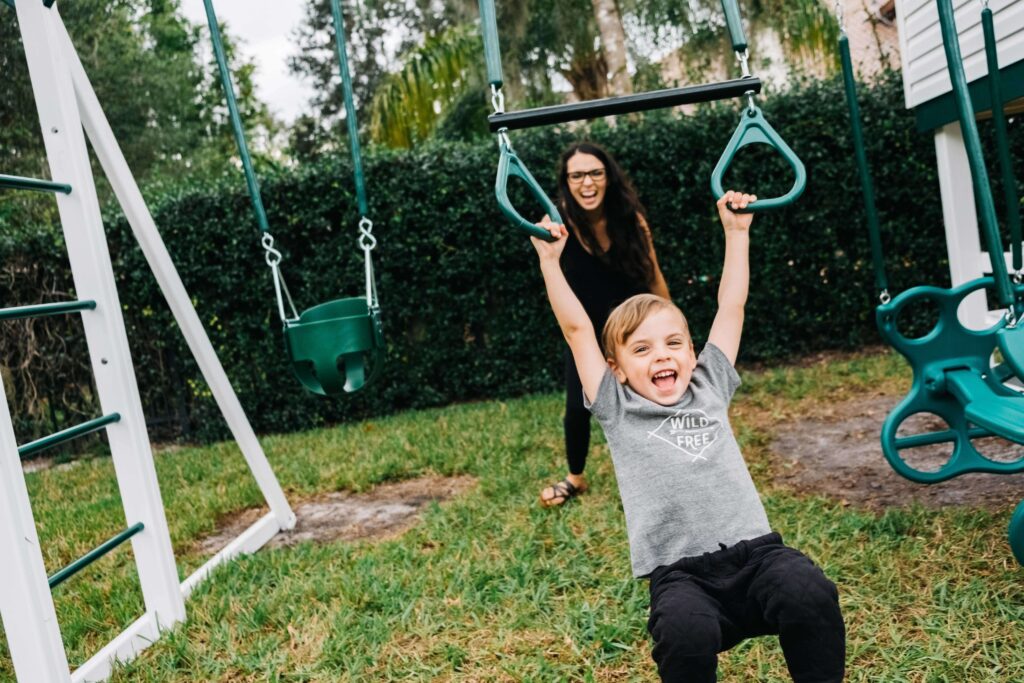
x=597, y=175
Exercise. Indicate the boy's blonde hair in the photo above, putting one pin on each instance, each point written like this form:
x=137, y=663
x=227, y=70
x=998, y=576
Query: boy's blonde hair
x=628, y=316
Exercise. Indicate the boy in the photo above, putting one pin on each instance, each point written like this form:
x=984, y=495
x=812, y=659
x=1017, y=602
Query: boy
x=695, y=522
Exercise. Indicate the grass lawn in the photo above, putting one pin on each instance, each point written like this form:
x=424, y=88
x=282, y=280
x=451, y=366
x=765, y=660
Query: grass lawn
x=490, y=587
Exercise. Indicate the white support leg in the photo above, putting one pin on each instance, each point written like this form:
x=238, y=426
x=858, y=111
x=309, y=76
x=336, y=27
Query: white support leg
x=41, y=30
x=963, y=240
x=30, y=621
x=144, y=228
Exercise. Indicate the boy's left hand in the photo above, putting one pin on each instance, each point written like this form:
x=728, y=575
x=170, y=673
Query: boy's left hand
x=735, y=200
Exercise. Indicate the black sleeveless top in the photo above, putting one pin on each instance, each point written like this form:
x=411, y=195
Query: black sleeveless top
x=599, y=287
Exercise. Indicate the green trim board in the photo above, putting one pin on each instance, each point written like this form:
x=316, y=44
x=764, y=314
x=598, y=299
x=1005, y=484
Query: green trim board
x=942, y=110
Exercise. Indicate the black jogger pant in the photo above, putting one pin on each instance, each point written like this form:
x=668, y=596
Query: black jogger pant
x=706, y=604
x=577, y=419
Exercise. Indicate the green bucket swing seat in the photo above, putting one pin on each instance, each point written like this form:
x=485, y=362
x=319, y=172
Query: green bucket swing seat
x=330, y=346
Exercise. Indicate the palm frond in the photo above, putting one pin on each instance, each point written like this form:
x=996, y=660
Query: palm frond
x=410, y=102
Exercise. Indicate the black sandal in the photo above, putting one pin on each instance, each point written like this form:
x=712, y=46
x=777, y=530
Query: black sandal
x=564, y=489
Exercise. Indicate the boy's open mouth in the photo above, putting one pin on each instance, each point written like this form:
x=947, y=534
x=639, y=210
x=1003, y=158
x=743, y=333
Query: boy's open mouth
x=665, y=379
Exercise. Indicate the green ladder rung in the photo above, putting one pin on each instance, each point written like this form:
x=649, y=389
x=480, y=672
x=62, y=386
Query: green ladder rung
x=67, y=434
x=13, y=182
x=93, y=555
x=42, y=310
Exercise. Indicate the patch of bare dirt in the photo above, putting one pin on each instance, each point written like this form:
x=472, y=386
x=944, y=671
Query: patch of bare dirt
x=385, y=512
x=840, y=455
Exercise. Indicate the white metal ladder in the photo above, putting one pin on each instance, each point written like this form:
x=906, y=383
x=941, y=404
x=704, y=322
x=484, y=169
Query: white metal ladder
x=66, y=104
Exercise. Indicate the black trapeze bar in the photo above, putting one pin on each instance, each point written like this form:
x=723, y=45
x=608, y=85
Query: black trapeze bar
x=624, y=104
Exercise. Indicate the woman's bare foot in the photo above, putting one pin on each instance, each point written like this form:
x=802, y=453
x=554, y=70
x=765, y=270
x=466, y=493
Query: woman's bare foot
x=560, y=492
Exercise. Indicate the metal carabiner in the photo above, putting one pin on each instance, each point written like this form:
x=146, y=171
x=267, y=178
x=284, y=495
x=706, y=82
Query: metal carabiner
x=840, y=17
x=497, y=99
x=272, y=256
x=503, y=139
x=366, y=239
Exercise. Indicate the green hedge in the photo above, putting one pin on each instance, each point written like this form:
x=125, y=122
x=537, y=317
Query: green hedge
x=464, y=308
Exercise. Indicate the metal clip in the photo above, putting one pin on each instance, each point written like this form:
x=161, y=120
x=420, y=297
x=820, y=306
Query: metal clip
x=497, y=99
x=884, y=297
x=273, y=256
x=366, y=239
x=840, y=17
x=744, y=57
x=503, y=139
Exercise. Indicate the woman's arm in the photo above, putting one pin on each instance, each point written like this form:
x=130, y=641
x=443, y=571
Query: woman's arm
x=658, y=284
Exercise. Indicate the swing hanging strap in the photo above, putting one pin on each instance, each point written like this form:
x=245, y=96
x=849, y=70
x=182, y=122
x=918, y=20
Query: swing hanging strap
x=867, y=185
x=1002, y=139
x=492, y=49
x=367, y=241
x=271, y=255
x=972, y=143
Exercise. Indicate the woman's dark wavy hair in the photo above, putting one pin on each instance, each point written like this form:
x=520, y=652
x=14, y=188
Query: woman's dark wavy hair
x=629, y=251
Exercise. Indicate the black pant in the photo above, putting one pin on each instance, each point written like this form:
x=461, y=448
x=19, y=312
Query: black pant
x=704, y=605
x=577, y=418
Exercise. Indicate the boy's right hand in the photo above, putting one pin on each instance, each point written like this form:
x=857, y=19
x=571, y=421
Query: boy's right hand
x=551, y=250
x=728, y=203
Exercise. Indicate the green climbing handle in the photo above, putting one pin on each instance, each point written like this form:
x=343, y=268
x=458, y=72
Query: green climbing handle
x=510, y=165
x=754, y=129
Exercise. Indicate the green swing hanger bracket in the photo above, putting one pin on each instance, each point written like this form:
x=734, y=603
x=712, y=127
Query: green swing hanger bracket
x=754, y=129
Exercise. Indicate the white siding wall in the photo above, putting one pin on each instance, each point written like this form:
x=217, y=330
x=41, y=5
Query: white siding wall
x=924, y=59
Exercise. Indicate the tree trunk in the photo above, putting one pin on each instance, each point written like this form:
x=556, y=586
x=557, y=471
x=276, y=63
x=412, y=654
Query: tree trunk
x=613, y=44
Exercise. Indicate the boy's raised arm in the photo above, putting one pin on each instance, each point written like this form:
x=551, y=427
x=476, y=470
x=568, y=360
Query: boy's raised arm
x=732, y=291
x=572, y=318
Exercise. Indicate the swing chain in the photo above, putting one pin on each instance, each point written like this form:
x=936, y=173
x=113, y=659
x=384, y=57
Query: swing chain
x=984, y=4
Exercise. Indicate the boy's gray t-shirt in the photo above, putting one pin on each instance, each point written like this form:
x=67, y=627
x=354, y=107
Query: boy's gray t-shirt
x=684, y=484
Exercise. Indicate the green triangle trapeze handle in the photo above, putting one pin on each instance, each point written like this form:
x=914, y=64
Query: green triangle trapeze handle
x=754, y=129
x=330, y=344
x=510, y=165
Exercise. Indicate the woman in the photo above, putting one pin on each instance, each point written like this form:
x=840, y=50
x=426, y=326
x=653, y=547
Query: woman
x=609, y=257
